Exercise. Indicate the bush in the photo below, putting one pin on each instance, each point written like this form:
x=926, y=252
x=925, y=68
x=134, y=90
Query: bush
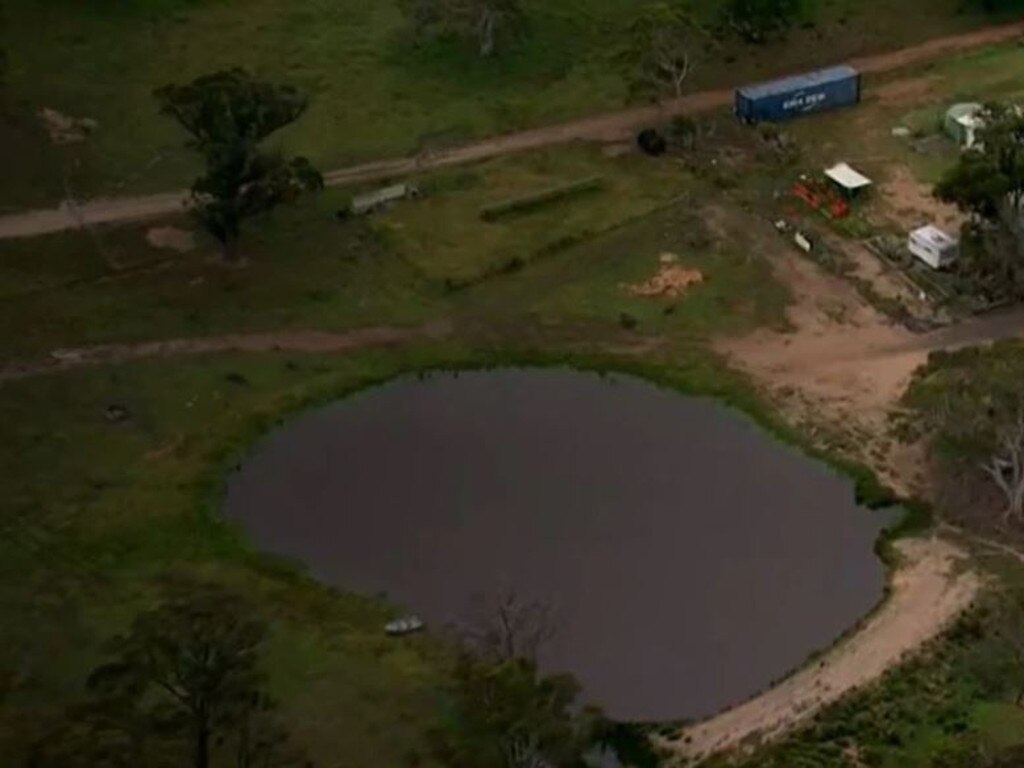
x=683, y=131
x=651, y=142
x=532, y=202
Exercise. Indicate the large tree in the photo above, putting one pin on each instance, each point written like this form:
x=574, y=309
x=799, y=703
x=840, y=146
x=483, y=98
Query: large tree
x=988, y=184
x=504, y=714
x=971, y=404
x=190, y=668
x=988, y=181
x=665, y=43
x=480, y=21
x=757, y=21
x=506, y=626
x=227, y=115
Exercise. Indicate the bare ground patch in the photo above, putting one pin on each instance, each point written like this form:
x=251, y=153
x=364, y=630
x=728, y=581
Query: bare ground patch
x=910, y=204
x=905, y=91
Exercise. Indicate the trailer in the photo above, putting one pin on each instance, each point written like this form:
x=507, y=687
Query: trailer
x=382, y=199
x=933, y=246
x=793, y=97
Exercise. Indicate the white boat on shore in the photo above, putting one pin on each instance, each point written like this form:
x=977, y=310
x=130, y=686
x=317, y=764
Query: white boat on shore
x=407, y=625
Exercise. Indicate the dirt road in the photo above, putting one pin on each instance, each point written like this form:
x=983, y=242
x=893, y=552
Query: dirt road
x=928, y=592
x=609, y=127
x=290, y=341
x=899, y=348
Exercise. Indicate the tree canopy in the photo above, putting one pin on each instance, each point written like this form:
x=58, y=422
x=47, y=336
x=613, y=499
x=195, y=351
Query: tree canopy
x=184, y=679
x=480, y=21
x=227, y=115
x=504, y=714
x=758, y=21
x=988, y=184
x=989, y=178
x=665, y=43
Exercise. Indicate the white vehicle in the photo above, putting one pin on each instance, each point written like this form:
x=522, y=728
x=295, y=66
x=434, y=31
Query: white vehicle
x=934, y=247
x=382, y=199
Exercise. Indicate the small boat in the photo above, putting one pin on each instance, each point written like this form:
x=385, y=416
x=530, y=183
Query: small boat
x=406, y=625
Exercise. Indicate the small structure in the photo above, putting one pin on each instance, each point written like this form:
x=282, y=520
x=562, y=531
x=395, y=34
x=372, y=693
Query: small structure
x=850, y=182
x=933, y=246
x=963, y=122
x=800, y=95
x=382, y=199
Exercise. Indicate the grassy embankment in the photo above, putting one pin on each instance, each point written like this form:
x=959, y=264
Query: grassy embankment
x=374, y=93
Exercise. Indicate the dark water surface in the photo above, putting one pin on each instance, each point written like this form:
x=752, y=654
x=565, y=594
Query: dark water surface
x=690, y=559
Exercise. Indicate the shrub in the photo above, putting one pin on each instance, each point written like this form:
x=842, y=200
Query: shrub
x=536, y=200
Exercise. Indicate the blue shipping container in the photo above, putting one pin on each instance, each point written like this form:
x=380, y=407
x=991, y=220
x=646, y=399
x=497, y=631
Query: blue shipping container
x=800, y=95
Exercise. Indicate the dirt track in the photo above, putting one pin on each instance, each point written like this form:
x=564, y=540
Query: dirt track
x=609, y=127
x=290, y=341
x=929, y=591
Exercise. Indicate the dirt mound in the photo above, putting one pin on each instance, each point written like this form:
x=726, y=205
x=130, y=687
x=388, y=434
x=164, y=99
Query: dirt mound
x=671, y=281
x=63, y=129
x=171, y=239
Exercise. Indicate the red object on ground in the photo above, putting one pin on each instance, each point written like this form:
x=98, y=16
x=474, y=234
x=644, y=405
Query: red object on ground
x=819, y=197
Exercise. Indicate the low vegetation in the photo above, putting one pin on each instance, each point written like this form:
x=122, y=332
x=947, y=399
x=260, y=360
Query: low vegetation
x=536, y=200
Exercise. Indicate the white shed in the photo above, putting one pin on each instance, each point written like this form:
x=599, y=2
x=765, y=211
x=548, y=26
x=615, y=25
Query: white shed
x=933, y=246
x=850, y=181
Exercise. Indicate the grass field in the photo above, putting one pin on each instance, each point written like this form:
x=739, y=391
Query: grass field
x=134, y=499
x=307, y=270
x=374, y=92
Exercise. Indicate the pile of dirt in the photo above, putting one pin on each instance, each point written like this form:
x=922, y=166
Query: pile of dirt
x=671, y=281
x=171, y=238
x=63, y=129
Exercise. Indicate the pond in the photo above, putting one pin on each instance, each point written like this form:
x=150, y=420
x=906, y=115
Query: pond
x=687, y=558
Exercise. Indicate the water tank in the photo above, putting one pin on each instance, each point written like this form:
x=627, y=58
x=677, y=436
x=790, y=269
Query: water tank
x=799, y=95
x=962, y=123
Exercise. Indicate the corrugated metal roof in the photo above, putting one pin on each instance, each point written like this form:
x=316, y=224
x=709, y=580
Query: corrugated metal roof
x=798, y=82
x=845, y=176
